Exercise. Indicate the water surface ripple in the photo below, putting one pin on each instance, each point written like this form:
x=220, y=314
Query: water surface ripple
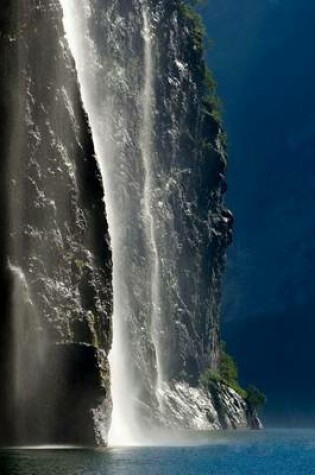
x=290, y=452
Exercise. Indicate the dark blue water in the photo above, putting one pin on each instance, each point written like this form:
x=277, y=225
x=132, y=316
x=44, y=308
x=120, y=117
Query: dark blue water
x=269, y=452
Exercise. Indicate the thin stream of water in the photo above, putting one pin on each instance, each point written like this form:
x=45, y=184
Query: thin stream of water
x=147, y=154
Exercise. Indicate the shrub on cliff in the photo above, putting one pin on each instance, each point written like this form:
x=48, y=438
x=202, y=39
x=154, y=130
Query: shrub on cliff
x=227, y=367
x=208, y=377
x=227, y=374
x=211, y=102
x=255, y=398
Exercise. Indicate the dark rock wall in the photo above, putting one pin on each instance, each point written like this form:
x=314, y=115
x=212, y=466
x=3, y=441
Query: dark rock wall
x=5, y=286
x=192, y=160
x=55, y=241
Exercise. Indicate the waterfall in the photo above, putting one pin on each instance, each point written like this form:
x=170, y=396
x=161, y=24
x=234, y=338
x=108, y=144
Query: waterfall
x=142, y=83
x=124, y=151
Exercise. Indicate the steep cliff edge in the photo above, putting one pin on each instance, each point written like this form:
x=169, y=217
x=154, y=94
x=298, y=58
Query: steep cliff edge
x=56, y=262
x=192, y=159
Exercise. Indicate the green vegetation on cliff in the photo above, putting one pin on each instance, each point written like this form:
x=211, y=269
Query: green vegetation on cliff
x=228, y=374
x=254, y=397
x=211, y=102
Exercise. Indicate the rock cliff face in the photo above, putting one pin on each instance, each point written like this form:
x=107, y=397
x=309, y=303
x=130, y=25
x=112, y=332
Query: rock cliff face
x=191, y=181
x=56, y=261
x=191, y=186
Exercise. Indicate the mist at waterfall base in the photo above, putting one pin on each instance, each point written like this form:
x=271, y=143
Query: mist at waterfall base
x=263, y=58
x=272, y=452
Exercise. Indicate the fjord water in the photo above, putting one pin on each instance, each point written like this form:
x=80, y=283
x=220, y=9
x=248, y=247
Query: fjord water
x=285, y=452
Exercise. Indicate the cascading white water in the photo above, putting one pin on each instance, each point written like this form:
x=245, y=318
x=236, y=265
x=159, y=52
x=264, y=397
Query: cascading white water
x=75, y=17
x=135, y=366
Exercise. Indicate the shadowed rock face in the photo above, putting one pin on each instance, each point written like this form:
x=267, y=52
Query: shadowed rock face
x=192, y=165
x=55, y=253
x=64, y=407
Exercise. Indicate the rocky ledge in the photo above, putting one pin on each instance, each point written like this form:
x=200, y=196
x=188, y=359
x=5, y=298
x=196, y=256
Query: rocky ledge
x=218, y=408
